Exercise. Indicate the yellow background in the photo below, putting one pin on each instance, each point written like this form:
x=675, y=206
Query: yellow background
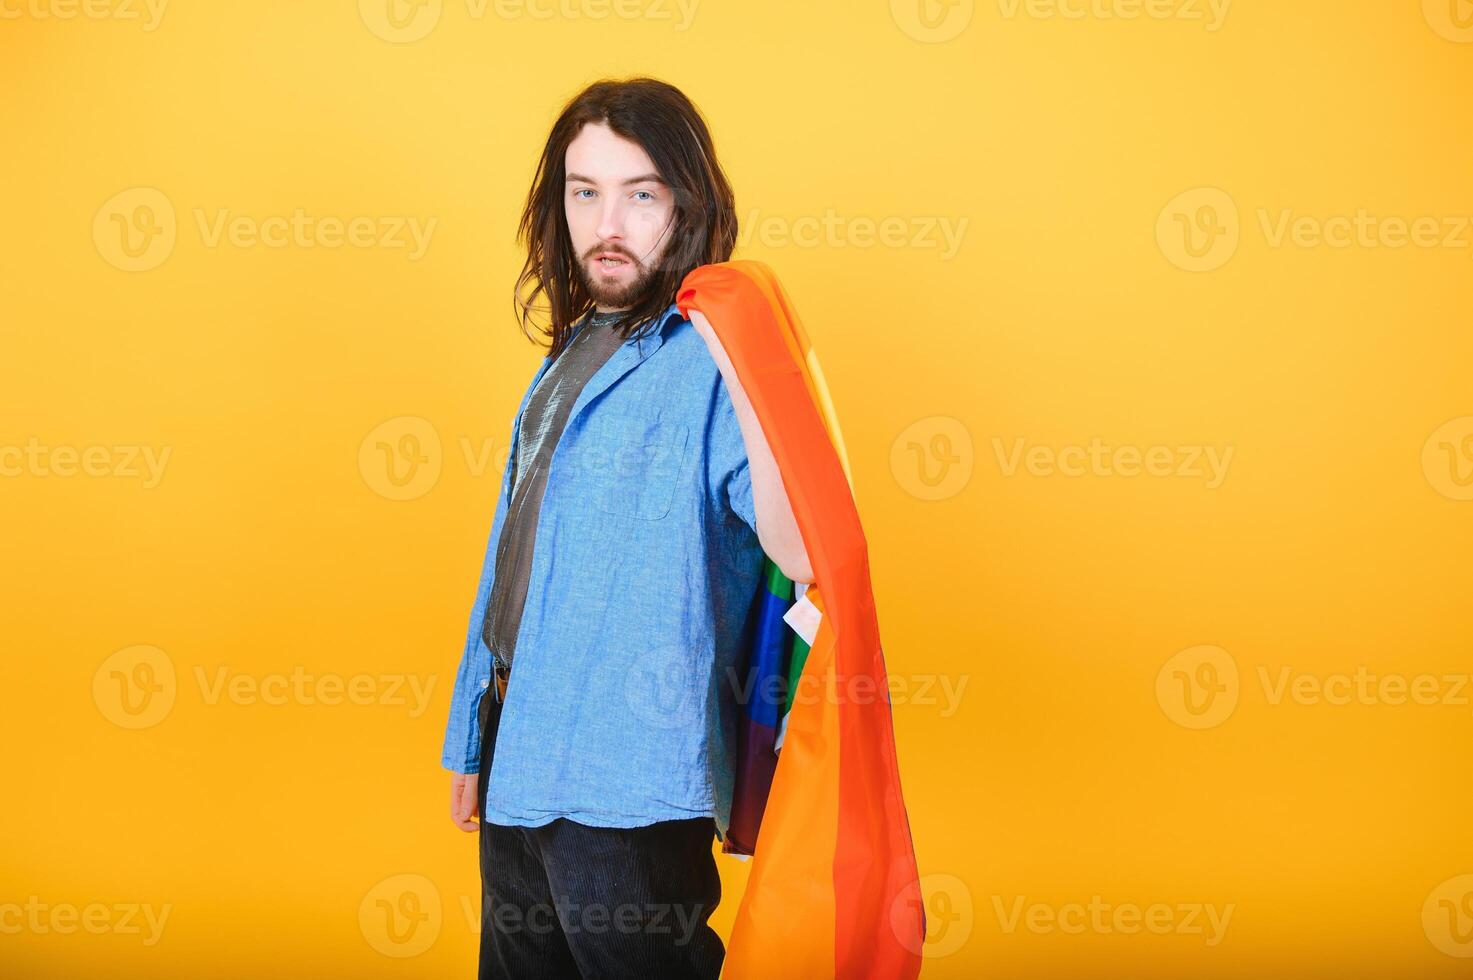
x=1052, y=603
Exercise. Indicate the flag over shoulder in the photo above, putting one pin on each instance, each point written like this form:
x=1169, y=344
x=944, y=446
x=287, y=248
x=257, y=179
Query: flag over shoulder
x=833, y=890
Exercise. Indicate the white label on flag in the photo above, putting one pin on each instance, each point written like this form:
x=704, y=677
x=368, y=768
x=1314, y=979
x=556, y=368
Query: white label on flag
x=803, y=616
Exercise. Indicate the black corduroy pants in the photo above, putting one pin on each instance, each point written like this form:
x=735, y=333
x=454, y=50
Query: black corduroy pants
x=566, y=900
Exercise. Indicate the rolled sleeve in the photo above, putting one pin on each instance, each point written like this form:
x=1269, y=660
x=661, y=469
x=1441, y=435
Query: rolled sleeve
x=461, y=750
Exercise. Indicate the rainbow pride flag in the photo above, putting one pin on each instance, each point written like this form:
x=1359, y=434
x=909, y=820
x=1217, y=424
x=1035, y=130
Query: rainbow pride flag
x=784, y=634
x=833, y=890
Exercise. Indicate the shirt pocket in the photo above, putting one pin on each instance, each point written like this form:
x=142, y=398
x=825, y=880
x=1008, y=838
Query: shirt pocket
x=634, y=464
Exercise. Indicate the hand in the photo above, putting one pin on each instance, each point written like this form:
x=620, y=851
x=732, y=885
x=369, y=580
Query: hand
x=465, y=802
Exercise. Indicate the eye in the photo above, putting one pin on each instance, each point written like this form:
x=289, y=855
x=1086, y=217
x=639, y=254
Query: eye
x=581, y=190
x=648, y=196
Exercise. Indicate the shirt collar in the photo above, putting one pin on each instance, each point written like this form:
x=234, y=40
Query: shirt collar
x=661, y=332
x=671, y=315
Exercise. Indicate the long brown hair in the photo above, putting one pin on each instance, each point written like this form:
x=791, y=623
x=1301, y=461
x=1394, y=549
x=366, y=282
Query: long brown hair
x=658, y=117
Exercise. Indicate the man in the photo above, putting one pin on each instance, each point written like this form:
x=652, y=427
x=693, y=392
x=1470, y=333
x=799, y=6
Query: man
x=592, y=729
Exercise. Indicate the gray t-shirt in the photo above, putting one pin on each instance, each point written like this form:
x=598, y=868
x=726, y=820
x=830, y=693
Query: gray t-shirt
x=547, y=411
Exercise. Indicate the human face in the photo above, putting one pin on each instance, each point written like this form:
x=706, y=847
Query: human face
x=619, y=213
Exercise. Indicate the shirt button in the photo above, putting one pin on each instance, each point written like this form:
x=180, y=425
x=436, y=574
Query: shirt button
x=485, y=683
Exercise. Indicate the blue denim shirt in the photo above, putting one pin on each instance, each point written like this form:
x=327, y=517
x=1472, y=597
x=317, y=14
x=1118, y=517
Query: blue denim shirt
x=622, y=709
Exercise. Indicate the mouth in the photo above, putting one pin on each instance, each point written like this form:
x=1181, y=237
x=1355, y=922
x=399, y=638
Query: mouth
x=610, y=262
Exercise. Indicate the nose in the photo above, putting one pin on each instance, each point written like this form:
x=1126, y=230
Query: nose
x=611, y=223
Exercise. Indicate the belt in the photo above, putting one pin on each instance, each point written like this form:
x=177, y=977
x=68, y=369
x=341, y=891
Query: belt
x=500, y=675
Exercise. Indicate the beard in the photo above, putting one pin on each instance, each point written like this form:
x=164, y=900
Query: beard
x=615, y=295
